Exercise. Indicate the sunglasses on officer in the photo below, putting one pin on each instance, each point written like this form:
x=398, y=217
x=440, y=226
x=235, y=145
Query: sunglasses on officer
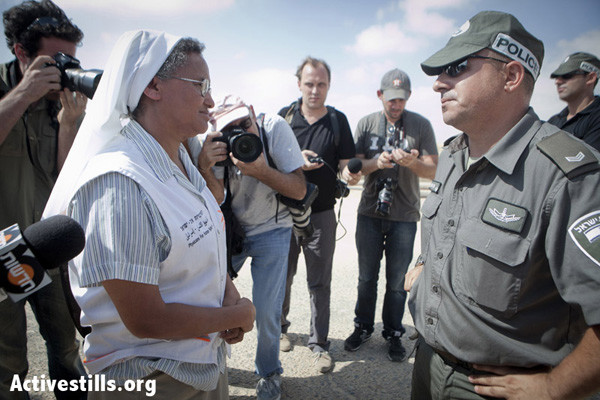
x=571, y=75
x=458, y=67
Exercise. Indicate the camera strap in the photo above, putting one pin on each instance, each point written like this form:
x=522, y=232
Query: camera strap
x=263, y=137
x=260, y=119
x=398, y=129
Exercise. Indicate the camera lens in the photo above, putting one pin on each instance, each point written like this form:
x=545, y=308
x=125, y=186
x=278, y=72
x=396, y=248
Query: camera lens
x=246, y=147
x=303, y=227
x=385, y=197
x=83, y=81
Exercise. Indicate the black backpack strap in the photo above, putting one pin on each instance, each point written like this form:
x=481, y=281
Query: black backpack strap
x=228, y=214
x=265, y=141
x=335, y=125
x=291, y=110
x=263, y=137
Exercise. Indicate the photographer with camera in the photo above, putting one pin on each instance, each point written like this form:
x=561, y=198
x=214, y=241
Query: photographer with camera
x=397, y=147
x=39, y=124
x=255, y=186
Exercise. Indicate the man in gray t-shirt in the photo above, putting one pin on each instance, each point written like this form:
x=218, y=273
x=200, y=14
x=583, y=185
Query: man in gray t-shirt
x=266, y=222
x=397, y=147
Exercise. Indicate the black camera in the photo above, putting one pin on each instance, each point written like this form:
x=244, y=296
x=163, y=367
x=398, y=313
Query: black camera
x=74, y=78
x=385, y=186
x=341, y=189
x=245, y=146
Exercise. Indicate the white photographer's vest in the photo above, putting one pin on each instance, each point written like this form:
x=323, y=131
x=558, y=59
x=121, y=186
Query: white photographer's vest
x=194, y=273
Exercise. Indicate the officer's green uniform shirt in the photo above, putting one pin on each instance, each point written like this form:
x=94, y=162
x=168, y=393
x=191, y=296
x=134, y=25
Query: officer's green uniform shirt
x=27, y=158
x=511, y=249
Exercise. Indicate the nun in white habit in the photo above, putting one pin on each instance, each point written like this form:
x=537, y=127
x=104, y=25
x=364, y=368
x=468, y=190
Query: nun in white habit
x=152, y=281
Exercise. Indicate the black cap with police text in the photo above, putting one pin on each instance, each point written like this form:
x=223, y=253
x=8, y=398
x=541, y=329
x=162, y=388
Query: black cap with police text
x=578, y=61
x=395, y=84
x=492, y=30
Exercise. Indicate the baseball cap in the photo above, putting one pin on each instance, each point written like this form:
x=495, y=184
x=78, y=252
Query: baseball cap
x=578, y=61
x=227, y=110
x=395, y=84
x=492, y=30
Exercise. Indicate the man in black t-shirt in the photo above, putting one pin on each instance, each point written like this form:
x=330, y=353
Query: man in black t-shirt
x=321, y=132
x=576, y=77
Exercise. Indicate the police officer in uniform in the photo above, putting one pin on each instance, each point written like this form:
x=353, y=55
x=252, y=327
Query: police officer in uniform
x=505, y=298
x=575, y=78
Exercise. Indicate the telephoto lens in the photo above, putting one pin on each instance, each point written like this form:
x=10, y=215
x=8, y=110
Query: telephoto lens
x=74, y=78
x=302, y=227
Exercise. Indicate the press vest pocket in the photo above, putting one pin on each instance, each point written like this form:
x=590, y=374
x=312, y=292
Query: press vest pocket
x=490, y=267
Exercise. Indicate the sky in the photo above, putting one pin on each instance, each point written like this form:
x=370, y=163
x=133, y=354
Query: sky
x=253, y=47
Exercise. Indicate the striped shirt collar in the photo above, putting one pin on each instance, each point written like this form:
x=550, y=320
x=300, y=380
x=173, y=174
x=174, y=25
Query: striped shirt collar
x=159, y=161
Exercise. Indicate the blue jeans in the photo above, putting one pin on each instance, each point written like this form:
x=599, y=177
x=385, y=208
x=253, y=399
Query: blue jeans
x=57, y=329
x=373, y=237
x=269, y=253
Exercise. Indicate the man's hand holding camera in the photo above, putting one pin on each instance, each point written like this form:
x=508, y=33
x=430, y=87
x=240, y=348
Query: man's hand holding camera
x=39, y=79
x=73, y=106
x=256, y=169
x=212, y=152
x=403, y=158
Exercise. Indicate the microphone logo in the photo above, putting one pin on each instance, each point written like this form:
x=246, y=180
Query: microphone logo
x=20, y=273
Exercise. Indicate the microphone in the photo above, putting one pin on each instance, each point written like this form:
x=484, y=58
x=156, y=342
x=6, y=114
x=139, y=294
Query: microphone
x=354, y=165
x=24, y=256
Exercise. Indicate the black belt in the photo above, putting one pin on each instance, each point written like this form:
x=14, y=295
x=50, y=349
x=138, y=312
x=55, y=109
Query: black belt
x=453, y=361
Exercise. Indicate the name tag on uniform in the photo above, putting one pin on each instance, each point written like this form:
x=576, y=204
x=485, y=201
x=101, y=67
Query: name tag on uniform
x=504, y=215
x=435, y=186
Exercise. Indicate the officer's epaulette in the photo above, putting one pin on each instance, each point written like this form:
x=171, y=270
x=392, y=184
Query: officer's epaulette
x=570, y=155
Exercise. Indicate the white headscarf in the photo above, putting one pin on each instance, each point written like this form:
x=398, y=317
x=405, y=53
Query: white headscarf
x=134, y=61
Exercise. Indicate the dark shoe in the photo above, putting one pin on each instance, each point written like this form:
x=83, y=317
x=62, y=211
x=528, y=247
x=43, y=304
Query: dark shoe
x=358, y=337
x=269, y=388
x=396, y=351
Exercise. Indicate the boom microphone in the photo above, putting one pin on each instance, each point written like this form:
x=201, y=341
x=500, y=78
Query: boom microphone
x=25, y=256
x=354, y=165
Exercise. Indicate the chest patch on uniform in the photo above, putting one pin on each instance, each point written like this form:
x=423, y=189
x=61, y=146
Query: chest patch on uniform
x=504, y=215
x=585, y=232
x=435, y=186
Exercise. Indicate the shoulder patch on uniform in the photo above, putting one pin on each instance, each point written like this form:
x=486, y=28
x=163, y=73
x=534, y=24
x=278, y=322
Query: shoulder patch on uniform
x=571, y=156
x=585, y=232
